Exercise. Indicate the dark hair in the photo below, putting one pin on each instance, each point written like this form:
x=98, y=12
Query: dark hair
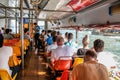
x=58, y=32
x=1, y=40
x=2, y=28
x=25, y=30
x=43, y=30
x=54, y=38
x=7, y=31
x=53, y=33
x=35, y=23
x=70, y=35
x=98, y=44
x=91, y=53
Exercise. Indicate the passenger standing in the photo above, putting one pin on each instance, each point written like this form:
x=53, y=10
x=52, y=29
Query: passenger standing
x=90, y=69
x=36, y=35
x=5, y=53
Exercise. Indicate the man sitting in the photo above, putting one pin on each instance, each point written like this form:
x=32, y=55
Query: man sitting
x=5, y=53
x=90, y=69
x=61, y=50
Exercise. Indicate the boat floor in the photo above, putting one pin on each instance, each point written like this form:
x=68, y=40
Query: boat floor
x=35, y=68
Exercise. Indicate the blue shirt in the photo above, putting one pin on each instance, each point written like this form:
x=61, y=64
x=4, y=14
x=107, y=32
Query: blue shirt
x=49, y=40
x=37, y=29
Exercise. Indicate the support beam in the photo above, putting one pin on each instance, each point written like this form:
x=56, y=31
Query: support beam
x=22, y=32
x=2, y=17
x=39, y=9
x=46, y=25
x=6, y=19
x=16, y=23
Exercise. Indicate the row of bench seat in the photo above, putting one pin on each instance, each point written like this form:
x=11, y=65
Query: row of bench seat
x=15, y=59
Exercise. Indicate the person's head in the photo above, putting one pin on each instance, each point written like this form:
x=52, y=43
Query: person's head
x=85, y=41
x=43, y=32
x=2, y=28
x=90, y=55
x=26, y=31
x=70, y=36
x=98, y=45
x=54, y=33
x=1, y=40
x=35, y=24
x=49, y=32
x=54, y=38
x=60, y=41
x=7, y=31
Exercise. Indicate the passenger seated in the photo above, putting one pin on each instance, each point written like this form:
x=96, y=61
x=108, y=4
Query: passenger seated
x=71, y=43
x=53, y=46
x=81, y=51
x=90, y=69
x=103, y=57
x=61, y=50
x=7, y=34
x=5, y=53
x=49, y=39
x=26, y=35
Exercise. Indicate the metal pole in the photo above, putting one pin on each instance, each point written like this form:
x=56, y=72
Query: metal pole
x=46, y=10
x=29, y=22
x=5, y=18
x=32, y=15
x=16, y=23
x=46, y=25
x=76, y=34
x=22, y=32
x=16, y=18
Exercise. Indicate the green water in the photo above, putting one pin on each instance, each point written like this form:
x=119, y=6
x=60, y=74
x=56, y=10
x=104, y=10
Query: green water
x=112, y=43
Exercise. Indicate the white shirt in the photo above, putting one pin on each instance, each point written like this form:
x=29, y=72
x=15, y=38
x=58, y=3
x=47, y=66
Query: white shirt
x=106, y=59
x=73, y=45
x=61, y=51
x=51, y=47
x=5, y=53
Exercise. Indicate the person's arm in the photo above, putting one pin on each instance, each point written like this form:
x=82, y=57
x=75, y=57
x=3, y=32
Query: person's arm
x=73, y=75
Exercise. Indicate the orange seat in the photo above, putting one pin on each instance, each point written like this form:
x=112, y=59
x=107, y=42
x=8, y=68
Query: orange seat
x=13, y=61
x=62, y=65
x=16, y=50
x=5, y=40
x=4, y=75
x=77, y=61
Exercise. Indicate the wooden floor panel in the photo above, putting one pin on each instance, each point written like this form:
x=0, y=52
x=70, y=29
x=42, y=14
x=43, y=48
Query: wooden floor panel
x=36, y=69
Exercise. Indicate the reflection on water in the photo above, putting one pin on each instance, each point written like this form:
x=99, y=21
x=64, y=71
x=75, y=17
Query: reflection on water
x=112, y=43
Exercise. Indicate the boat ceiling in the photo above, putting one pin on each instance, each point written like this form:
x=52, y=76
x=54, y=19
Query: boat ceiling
x=58, y=9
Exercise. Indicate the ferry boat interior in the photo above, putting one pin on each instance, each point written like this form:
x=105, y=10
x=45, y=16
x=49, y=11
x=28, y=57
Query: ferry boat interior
x=100, y=19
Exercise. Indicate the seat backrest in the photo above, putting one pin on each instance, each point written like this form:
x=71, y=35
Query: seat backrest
x=77, y=61
x=4, y=75
x=62, y=64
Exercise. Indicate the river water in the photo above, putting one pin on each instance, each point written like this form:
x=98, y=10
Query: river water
x=112, y=43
